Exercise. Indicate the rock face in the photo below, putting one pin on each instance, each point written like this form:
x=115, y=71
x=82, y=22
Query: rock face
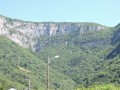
x=116, y=37
x=26, y=33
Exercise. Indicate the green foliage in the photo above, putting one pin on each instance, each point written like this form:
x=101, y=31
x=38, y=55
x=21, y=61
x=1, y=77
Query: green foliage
x=82, y=63
x=83, y=56
x=101, y=87
x=13, y=56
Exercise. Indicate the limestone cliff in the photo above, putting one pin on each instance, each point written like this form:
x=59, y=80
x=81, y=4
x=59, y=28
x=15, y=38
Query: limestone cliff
x=26, y=33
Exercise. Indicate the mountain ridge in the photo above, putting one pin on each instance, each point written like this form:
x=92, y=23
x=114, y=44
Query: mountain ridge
x=26, y=34
x=15, y=19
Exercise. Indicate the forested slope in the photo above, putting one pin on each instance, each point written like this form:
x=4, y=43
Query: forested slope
x=86, y=58
x=89, y=55
x=18, y=64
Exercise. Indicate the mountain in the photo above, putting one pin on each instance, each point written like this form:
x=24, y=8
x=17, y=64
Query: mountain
x=89, y=53
x=26, y=34
x=88, y=58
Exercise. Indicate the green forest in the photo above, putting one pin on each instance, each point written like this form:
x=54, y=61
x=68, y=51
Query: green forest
x=88, y=61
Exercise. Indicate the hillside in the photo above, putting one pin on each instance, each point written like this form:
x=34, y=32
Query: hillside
x=26, y=33
x=84, y=57
x=89, y=54
x=13, y=56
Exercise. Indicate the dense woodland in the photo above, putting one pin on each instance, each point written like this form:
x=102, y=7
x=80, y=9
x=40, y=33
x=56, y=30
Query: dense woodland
x=87, y=61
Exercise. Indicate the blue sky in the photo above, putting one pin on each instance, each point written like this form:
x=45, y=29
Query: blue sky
x=106, y=12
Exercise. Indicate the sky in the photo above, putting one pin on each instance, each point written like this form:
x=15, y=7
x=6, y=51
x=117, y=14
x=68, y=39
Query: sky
x=105, y=12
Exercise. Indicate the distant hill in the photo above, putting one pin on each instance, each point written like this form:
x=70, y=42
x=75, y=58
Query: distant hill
x=89, y=54
x=27, y=34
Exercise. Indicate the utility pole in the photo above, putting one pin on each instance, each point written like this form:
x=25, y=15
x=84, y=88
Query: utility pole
x=48, y=74
x=29, y=83
x=48, y=71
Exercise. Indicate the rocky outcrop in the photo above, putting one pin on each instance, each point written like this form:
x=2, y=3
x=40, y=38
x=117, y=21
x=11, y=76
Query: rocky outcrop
x=26, y=33
x=116, y=37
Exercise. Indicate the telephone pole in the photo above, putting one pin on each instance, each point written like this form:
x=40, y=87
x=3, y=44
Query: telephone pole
x=48, y=74
x=29, y=84
x=48, y=71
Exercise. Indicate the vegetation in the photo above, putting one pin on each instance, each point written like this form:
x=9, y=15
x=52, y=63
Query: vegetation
x=84, y=57
x=101, y=87
x=88, y=61
x=18, y=64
